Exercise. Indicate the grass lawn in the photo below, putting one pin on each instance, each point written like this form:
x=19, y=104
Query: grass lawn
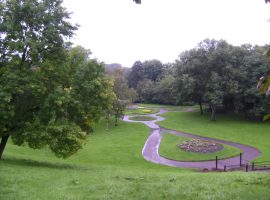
x=169, y=149
x=111, y=167
x=141, y=111
x=227, y=127
x=142, y=118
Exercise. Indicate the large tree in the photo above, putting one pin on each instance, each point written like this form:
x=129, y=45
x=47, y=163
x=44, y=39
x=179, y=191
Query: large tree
x=192, y=74
x=135, y=75
x=32, y=31
x=50, y=95
x=152, y=70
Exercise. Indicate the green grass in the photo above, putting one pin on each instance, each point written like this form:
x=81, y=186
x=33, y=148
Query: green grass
x=141, y=111
x=142, y=118
x=227, y=127
x=111, y=167
x=169, y=149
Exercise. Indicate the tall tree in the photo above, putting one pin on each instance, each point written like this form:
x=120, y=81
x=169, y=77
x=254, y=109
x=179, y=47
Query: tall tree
x=135, y=75
x=33, y=31
x=123, y=93
x=192, y=73
x=49, y=95
x=152, y=70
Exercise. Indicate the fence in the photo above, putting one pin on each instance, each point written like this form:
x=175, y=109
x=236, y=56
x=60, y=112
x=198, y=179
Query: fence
x=263, y=165
x=244, y=165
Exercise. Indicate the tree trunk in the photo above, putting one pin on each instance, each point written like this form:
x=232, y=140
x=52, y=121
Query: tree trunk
x=107, y=118
x=201, y=109
x=3, y=144
x=213, y=115
x=116, y=119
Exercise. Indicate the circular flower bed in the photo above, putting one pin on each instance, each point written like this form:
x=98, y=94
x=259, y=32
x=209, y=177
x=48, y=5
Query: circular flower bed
x=200, y=146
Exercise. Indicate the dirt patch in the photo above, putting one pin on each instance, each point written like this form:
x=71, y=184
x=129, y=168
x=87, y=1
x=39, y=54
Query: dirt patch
x=200, y=146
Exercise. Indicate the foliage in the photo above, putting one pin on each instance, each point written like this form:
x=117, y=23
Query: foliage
x=152, y=70
x=33, y=31
x=135, y=75
x=50, y=94
x=118, y=110
x=145, y=90
x=215, y=73
x=123, y=93
x=223, y=76
x=264, y=85
x=51, y=108
x=153, y=82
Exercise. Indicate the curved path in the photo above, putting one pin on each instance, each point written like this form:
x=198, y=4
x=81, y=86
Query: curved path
x=151, y=146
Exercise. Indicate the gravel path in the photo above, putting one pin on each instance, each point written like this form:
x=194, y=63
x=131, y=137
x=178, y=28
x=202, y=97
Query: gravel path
x=151, y=146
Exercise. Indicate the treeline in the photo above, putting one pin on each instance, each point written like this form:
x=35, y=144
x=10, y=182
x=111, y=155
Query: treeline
x=215, y=73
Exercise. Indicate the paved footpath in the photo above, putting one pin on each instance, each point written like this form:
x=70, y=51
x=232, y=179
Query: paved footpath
x=151, y=146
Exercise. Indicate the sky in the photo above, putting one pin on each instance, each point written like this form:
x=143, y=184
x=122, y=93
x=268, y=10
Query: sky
x=120, y=31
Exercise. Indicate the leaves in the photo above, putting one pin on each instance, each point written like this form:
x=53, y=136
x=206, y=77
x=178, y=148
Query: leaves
x=33, y=31
x=266, y=117
x=264, y=85
x=50, y=94
x=225, y=76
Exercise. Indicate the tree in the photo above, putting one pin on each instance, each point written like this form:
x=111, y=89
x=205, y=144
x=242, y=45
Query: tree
x=135, y=75
x=164, y=91
x=152, y=70
x=214, y=93
x=33, y=31
x=192, y=75
x=123, y=93
x=264, y=85
x=145, y=90
x=148, y=71
x=50, y=95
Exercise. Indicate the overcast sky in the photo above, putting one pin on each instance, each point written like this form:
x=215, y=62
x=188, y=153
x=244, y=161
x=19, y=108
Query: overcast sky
x=120, y=31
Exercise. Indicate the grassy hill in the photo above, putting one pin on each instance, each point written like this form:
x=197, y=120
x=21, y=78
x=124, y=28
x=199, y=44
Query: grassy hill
x=111, y=167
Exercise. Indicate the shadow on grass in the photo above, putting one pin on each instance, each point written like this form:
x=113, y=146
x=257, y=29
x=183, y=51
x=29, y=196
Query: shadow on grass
x=34, y=163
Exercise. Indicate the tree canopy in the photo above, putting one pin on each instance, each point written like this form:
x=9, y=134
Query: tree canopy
x=50, y=93
x=214, y=73
x=223, y=76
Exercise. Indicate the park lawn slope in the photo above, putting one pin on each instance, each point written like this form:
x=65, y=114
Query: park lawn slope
x=227, y=127
x=169, y=148
x=111, y=167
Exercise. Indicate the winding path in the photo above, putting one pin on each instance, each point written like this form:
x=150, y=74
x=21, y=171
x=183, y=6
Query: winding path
x=151, y=146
